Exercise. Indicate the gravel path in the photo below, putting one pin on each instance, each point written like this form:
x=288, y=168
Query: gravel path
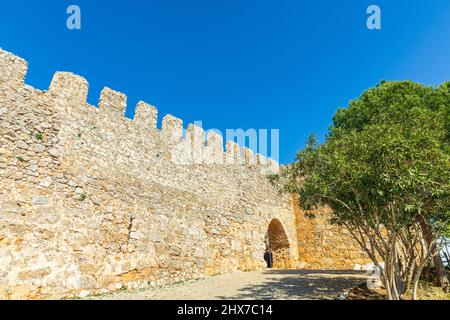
x=269, y=284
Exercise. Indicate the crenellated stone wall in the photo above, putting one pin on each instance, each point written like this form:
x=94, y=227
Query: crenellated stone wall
x=92, y=202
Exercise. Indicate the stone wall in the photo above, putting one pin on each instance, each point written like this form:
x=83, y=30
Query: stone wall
x=325, y=246
x=93, y=202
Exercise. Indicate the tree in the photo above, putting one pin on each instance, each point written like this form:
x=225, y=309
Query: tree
x=404, y=103
x=384, y=171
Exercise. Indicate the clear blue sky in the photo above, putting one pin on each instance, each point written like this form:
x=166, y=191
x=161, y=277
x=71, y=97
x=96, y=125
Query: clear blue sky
x=235, y=63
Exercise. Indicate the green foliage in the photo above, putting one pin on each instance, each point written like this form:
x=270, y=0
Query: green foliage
x=379, y=167
x=389, y=148
x=38, y=136
x=384, y=170
x=394, y=102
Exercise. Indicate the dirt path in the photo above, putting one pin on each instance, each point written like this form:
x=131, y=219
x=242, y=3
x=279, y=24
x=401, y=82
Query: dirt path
x=270, y=284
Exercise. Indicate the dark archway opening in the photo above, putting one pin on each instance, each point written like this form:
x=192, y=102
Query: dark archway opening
x=277, y=254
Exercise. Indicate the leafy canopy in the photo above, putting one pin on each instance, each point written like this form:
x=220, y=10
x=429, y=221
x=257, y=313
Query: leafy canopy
x=388, y=153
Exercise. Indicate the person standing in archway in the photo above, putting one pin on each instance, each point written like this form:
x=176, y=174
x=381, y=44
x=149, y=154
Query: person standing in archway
x=268, y=257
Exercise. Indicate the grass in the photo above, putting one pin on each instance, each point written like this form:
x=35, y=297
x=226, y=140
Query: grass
x=430, y=292
x=426, y=292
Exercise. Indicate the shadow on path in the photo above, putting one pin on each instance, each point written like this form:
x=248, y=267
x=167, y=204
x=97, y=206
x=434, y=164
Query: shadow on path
x=302, y=285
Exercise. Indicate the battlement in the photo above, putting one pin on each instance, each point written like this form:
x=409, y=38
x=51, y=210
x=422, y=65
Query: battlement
x=13, y=70
x=195, y=147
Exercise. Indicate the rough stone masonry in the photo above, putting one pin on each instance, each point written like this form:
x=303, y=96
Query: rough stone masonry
x=92, y=202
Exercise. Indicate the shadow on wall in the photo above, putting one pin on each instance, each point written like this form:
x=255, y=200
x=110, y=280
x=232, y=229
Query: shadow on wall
x=302, y=285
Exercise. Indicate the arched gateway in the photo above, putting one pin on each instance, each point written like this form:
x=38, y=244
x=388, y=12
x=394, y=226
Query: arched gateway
x=277, y=244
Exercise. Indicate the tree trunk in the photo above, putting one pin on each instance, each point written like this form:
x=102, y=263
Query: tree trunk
x=410, y=274
x=441, y=278
x=417, y=276
x=414, y=290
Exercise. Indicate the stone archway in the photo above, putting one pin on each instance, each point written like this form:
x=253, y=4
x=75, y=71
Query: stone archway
x=278, y=244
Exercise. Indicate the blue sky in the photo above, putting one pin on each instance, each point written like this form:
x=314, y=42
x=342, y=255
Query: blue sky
x=245, y=64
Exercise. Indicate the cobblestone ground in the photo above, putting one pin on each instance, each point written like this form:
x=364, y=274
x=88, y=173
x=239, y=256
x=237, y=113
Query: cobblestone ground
x=270, y=284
